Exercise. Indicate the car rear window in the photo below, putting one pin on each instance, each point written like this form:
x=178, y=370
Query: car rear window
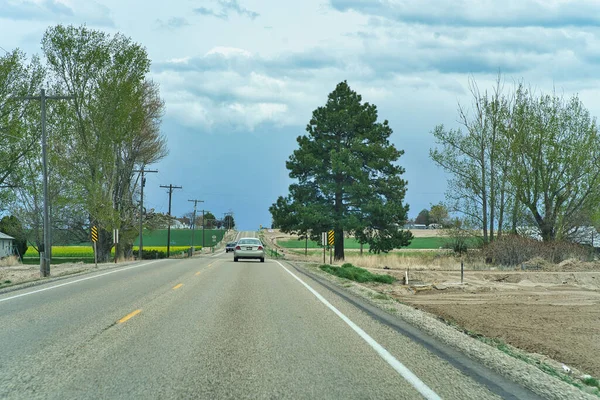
x=249, y=241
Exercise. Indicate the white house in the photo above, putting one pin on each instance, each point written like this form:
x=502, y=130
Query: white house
x=176, y=224
x=6, y=245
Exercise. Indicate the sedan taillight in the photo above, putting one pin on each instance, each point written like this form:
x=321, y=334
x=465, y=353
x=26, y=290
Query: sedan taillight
x=238, y=248
x=260, y=247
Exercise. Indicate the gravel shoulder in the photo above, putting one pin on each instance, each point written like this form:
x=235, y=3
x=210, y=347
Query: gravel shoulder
x=529, y=374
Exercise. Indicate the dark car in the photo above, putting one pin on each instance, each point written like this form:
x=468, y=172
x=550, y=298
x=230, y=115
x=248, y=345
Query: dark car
x=230, y=247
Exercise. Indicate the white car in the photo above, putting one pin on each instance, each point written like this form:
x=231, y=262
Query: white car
x=249, y=248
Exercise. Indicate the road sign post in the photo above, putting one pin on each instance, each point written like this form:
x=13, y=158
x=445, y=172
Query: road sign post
x=115, y=241
x=324, y=244
x=95, y=241
x=330, y=242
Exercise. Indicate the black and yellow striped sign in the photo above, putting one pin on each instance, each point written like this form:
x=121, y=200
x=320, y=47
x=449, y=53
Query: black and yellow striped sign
x=94, y=234
x=330, y=238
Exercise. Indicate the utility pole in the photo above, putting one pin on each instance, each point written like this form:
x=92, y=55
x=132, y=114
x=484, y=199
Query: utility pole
x=171, y=187
x=203, y=224
x=194, y=222
x=45, y=259
x=143, y=183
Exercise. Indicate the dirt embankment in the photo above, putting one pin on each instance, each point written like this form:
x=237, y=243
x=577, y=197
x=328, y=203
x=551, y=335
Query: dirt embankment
x=556, y=314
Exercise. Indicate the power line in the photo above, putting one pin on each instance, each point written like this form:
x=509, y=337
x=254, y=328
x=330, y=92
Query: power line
x=170, y=187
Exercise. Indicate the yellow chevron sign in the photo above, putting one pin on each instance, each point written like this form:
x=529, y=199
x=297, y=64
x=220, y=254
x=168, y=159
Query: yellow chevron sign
x=94, y=234
x=330, y=238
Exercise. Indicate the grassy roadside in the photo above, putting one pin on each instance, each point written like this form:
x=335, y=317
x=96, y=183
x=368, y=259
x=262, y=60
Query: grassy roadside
x=349, y=271
x=271, y=250
x=353, y=244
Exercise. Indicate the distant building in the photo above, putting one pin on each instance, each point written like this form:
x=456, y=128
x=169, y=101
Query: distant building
x=586, y=235
x=176, y=224
x=6, y=245
x=415, y=226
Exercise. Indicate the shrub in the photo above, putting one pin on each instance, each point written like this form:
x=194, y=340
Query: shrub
x=515, y=249
x=459, y=240
x=349, y=271
x=150, y=254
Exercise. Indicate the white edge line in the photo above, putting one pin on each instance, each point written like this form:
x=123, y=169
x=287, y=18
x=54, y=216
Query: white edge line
x=386, y=355
x=75, y=281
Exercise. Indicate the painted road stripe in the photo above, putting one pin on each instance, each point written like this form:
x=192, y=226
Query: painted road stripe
x=129, y=316
x=198, y=273
x=389, y=358
x=77, y=280
x=177, y=286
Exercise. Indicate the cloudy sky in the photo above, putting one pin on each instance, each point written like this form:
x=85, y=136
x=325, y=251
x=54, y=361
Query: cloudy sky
x=240, y=78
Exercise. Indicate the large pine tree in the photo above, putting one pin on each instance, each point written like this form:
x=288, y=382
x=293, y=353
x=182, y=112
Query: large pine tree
x=347, y=177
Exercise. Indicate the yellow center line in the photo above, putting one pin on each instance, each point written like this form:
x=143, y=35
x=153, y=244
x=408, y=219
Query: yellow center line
x=128, y=316
x=198, y=273
x=177, y=286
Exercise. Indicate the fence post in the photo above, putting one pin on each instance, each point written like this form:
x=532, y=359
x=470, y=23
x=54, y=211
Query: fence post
x=462, y=271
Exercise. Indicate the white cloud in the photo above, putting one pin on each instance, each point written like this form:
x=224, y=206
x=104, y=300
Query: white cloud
x=486, y=13
x=66, y=11
x=228, y=52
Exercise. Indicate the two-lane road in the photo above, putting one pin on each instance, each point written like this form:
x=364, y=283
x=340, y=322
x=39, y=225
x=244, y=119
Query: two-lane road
x=207, y=327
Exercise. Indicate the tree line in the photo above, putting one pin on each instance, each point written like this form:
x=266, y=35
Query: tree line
x=522, y=158
x=97, y=140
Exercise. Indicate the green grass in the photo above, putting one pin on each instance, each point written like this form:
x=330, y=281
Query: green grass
x=591, y=381
x=419, y=243
x=351, y=243
x=349, y=271
x=181, y=237
x=88, y=251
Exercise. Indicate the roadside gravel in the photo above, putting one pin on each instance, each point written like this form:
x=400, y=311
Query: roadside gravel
x=516, y=370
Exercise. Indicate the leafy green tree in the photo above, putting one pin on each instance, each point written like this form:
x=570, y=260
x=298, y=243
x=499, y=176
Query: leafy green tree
x=423, y=217
x=19, y=120
x=476, y=157
x=112, y=124
x=11, y=226
x=210, y=220
x=347, y=177
x=229, y=222
x=438, y=214
x=555, y=148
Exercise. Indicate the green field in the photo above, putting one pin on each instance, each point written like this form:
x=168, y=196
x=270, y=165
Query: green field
x=181, y=237
x=351, y=243
x=181, y=240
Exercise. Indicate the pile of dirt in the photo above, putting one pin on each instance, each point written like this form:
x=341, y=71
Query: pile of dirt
x=573, y=264
x=9, y=261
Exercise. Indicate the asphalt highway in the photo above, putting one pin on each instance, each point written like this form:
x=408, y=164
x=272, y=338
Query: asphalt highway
x=209, y=328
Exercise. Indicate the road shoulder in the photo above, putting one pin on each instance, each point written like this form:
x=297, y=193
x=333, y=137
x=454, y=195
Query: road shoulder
x=464, y=352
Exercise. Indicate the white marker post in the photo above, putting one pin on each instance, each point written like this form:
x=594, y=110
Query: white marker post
x=324, y=243
x=115, y=241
